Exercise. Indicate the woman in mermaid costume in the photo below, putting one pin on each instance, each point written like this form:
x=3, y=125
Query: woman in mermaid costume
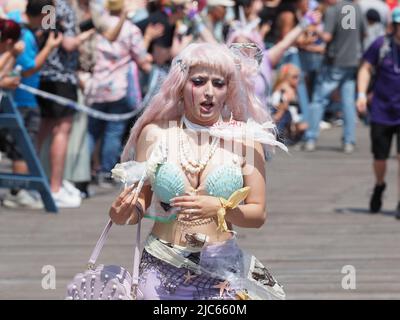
x=199, y=147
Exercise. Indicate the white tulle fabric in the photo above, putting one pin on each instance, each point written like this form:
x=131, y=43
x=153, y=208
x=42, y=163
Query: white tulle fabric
x=133, y=171
x=250, y=130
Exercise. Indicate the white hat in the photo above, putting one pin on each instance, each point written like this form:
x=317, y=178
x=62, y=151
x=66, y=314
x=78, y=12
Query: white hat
x=225, y=3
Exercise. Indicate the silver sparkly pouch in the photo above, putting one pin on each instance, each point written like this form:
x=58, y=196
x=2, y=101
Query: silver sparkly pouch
x=103, y=283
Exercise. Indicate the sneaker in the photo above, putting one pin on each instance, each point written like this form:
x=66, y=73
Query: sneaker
x=398, y=211
x=64, y=199
x=376, y=200
x=70, y=188
x=323, y=125
x=309, y=146
x=348, y=148
x=23, y=199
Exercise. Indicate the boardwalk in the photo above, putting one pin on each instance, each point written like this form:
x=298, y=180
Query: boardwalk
x=317, y=223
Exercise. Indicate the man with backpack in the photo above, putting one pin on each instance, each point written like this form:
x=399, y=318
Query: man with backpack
x=382, y=57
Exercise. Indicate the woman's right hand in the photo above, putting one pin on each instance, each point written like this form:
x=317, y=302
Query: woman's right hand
x=124, y=207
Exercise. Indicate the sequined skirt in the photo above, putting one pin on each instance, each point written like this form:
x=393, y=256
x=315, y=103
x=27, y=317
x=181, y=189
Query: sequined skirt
x=220, y=271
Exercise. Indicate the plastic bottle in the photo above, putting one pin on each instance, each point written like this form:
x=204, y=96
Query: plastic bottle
x=16, y=71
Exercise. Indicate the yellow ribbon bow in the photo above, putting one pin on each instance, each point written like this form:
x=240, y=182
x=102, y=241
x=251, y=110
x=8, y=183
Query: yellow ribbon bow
x=233, y=201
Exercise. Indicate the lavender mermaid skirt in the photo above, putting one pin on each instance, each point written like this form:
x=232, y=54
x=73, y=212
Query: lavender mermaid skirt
x=219, y=271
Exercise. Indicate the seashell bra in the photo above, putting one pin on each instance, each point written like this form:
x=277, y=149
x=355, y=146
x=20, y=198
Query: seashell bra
x=221, y=182
x=168, y=181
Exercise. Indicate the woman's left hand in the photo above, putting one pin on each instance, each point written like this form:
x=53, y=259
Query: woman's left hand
x=197, y=207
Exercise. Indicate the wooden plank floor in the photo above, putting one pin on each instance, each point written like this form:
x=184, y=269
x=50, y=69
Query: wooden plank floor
x=317, y=223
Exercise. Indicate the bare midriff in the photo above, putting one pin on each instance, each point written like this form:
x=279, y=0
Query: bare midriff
x=172, y=232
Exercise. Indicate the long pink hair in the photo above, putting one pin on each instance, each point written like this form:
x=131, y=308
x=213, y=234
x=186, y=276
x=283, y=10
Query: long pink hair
x=167, y=105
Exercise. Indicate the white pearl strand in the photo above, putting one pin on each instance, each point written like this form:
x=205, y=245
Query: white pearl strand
x=187, y=162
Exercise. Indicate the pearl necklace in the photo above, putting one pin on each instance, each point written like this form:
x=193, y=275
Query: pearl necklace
x=187, y=162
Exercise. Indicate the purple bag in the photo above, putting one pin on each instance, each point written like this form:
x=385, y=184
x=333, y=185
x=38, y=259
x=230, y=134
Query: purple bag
x=106, y=282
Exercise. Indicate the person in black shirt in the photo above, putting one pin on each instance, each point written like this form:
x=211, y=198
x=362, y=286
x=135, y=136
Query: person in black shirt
x=168, y=13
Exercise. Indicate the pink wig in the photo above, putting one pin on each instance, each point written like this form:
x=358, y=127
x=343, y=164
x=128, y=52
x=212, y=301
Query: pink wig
x=167, y=105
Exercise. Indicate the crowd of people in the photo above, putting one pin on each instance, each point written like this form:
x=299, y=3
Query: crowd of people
x=318, y=58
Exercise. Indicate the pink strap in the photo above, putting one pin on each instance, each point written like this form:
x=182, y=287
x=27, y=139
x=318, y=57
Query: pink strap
x=100, y=244
x=136, y=257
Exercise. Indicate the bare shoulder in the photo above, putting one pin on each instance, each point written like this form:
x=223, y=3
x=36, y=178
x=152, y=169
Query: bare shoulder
x=156, y=128
x=252, y=146
x=248, y=151
x=151, y=133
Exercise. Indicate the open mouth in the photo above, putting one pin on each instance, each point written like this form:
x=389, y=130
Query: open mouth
x=206, y=106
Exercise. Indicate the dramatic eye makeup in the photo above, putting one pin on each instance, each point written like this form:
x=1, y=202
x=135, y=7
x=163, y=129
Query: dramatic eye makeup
x=201, y=80
x=198, y=81
x=219, y=83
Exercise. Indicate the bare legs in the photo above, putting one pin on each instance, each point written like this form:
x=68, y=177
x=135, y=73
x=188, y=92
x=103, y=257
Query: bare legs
x=59, y=130
x=380, y=171
x=398, y=188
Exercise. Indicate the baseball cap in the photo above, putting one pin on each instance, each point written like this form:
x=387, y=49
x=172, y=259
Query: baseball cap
x=396, y=15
